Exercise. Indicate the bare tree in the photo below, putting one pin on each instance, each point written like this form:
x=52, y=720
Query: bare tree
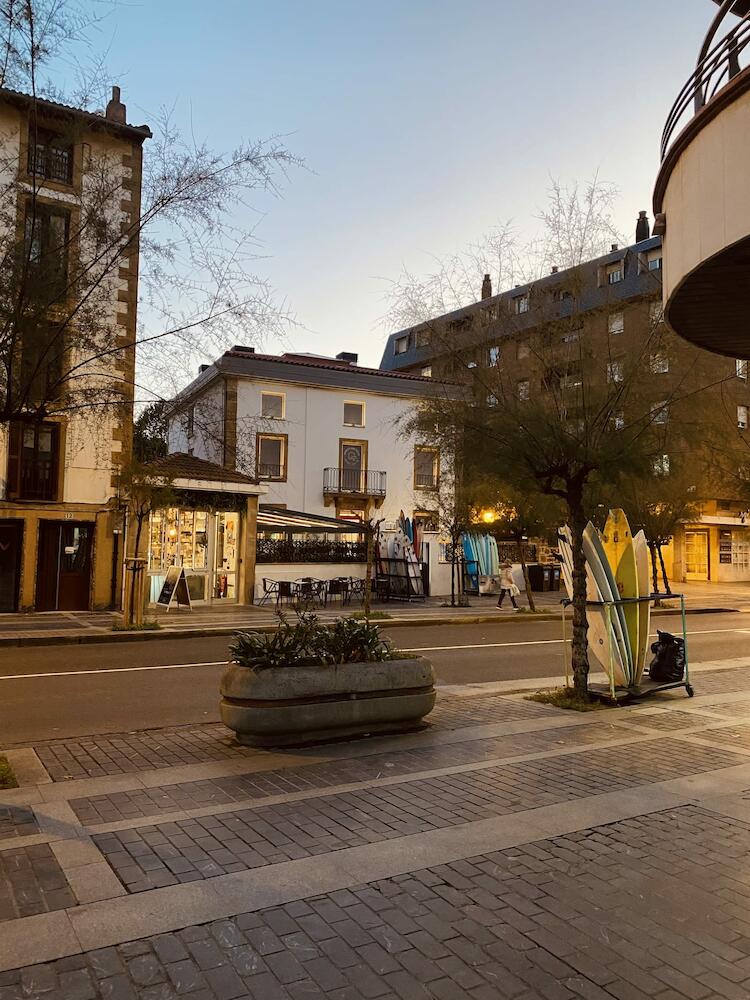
x=60, y=273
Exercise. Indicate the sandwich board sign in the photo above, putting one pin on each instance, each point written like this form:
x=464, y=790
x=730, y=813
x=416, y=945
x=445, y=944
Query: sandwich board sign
x=174, y=590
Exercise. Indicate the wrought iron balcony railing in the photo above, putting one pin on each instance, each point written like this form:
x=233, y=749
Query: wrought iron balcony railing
x=718, y=64
x=362, y=482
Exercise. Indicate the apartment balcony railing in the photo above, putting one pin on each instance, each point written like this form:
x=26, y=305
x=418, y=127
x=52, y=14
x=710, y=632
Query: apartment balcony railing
x=718, y=64
x=357, y=482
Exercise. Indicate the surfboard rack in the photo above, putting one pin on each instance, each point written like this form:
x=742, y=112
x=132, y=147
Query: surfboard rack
x=617, y=693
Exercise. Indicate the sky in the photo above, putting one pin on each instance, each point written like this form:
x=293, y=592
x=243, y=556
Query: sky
x=422, y=123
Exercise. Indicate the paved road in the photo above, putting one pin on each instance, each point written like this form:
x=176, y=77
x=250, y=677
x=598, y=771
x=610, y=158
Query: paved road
x=54, y=691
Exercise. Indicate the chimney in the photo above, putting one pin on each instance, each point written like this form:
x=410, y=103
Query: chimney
x=239, y=349
x=203, y=368
x=642, y=228
x=115, y=109
x=615, y=247
x=555, y=268
x=347, y=357
x=487, y=287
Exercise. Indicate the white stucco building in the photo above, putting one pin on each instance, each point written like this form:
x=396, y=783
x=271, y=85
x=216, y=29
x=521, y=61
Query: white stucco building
x=324, y=436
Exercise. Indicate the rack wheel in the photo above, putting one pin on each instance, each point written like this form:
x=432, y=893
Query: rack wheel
x=690, y=690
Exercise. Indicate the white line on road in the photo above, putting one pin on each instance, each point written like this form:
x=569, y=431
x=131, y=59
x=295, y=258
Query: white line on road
x=112, y=670
x=406, y=649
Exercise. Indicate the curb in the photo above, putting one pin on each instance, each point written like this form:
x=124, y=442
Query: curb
x=103, y=638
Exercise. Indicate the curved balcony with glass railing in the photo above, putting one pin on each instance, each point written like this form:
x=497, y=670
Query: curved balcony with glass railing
x=702, y=194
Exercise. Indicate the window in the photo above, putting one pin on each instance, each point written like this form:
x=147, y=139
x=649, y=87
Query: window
x=426, y=462
x=659, y=363
x=354, y=414
x=741, y=368
x=654, y=260
x=618, y=420
x=571, y=377
x=615, y=273
x=271, y=456
x=46, y=233
x=661, y=465
x=616, y=323
x=660, y=412
x=742, y=417
x=522, y=351
x=423, y=338
x=41, y=363
x=520, y=304
x=429, y=519
x=427, y=371
x=50, y=156
x=401, y=345
x=524, y=389
x=493, y=356
x=615, y=371
x=572, y=336
x=33, y=461
x=492, y=399
x=272, y=405
x=656, y=312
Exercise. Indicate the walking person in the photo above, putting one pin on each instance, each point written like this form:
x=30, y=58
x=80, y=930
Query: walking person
x=507, y=586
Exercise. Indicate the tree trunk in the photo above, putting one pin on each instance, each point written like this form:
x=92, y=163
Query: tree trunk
x=454, y=565
x=527, y=583
x=580, y=651
x=368, y=573
x=663, y=569
x=133, y=613
x=654, y=571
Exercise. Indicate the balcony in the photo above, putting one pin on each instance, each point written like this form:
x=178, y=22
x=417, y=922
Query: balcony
x=702, y=194
x=358, y=483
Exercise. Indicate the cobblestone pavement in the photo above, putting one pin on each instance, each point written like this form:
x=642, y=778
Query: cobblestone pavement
x=31, y=881
x=146, y=858
x=621, y=897
x=652, y=907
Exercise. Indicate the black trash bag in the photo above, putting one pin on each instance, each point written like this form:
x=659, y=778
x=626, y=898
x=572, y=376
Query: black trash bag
x=668, y=664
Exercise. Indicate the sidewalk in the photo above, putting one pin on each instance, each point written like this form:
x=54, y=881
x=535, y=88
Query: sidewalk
x=86, y=627
x=509, y=850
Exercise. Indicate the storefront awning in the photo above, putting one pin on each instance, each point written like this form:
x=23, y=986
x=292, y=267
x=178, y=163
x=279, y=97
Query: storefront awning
x=297, y=522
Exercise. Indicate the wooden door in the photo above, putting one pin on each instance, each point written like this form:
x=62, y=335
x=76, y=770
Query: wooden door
x=64, y=566
x=11, y=540
x=353, y=466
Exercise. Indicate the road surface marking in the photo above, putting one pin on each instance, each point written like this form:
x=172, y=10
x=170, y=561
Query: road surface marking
x=406, y=649
x=113, y=670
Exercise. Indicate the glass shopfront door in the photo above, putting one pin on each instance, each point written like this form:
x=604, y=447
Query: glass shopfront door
x=225, y=556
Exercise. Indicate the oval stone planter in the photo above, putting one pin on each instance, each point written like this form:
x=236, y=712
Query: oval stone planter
x=285, y=706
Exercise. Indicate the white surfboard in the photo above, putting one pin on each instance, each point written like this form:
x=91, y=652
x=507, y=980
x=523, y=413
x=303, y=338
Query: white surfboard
x=597, y=560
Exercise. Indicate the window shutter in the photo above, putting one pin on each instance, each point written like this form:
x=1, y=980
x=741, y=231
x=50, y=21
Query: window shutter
x=14, y=460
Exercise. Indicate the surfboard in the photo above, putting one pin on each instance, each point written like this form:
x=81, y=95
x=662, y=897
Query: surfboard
x=596, y=557
x=617, y=542
x=644, y=608
x=598, y=637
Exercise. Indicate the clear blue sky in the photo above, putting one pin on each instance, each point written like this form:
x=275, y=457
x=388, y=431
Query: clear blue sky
x=422, y=122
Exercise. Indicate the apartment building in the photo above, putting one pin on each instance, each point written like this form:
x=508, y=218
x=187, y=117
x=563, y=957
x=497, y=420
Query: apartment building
x=610, y=303
x=324, y=437
x=68, y=178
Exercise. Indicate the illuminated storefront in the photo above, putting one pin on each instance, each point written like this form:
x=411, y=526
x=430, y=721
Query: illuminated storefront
x=204, y=543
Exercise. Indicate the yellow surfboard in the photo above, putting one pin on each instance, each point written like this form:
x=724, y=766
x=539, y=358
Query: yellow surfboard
x=618, y=545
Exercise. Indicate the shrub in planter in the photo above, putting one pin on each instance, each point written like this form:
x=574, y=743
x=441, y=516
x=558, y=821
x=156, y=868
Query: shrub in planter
x=307, y=682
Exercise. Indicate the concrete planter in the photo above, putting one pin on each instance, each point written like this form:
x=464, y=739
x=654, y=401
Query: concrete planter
x=286, y=706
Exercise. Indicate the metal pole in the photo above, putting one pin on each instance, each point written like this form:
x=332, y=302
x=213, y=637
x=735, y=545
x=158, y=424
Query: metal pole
x=685, y=639
x=608, y=616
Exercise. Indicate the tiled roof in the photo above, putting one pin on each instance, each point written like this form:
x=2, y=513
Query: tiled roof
x=19, y=97
x=179, y=465
x=330, y=364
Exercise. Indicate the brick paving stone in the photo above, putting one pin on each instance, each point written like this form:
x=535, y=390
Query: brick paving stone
x=31, y=882
x=642, y=909
x=17, y=821
x=265, y=835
